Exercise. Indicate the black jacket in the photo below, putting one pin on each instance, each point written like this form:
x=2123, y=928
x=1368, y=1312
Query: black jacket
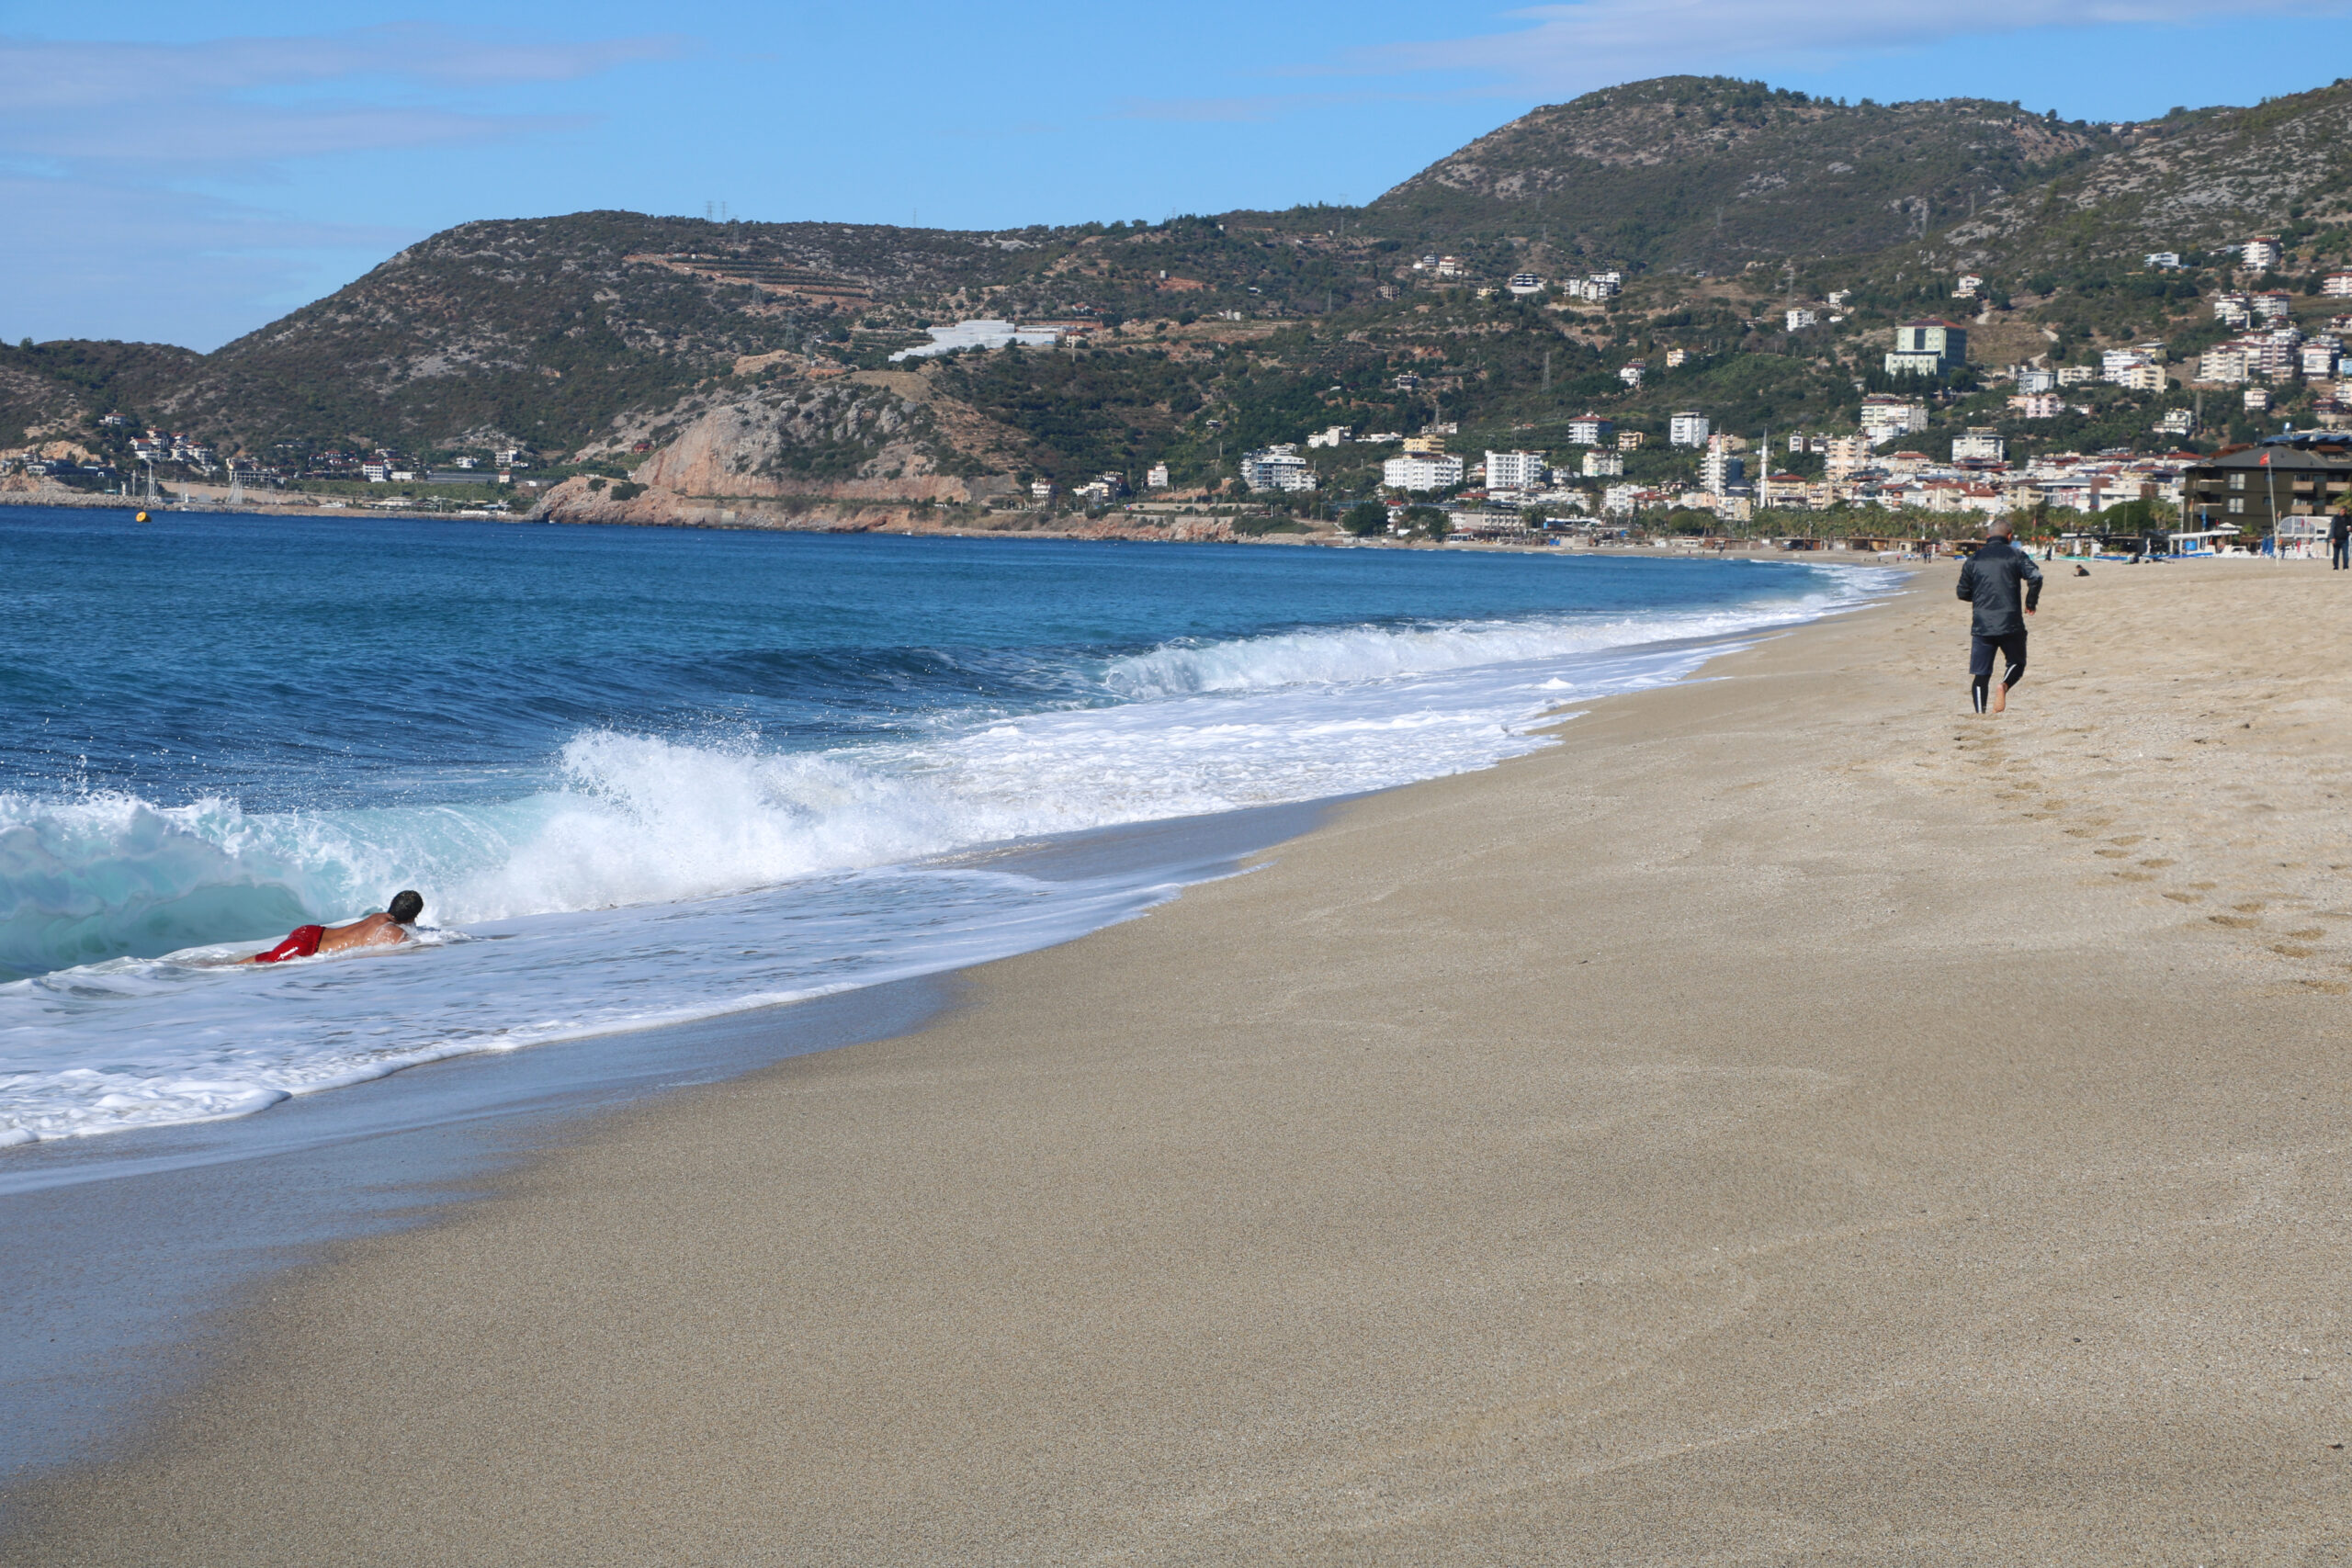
x=1990, y=580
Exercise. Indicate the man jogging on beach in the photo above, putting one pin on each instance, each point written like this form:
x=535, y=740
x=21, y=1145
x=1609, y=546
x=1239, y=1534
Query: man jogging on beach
x=2004, y=585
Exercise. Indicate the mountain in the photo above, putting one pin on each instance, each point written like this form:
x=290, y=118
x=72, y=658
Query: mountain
x=706, y=365
x=1706, y=175
x=2191, y=181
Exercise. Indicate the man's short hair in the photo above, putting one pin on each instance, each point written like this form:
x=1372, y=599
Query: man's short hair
x=2000, y=528
x=406, y=906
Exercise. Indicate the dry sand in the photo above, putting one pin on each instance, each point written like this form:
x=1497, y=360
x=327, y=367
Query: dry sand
x=1793, y=1121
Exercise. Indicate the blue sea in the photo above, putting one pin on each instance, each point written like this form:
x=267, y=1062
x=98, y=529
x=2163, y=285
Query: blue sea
x=644, y=776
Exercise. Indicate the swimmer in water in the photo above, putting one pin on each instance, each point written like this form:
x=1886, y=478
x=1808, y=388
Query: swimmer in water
x=376, y=930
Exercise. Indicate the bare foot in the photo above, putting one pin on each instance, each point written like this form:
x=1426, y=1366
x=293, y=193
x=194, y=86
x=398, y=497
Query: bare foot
x=2000, y=699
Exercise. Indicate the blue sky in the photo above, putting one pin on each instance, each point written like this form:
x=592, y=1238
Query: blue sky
x=186, y=173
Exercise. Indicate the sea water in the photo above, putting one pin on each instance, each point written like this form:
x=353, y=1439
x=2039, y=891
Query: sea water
x=644, y=776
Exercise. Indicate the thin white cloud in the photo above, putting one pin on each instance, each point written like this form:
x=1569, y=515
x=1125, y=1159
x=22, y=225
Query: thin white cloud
x=114, y=159
x=255, y=101
x=1575, y=48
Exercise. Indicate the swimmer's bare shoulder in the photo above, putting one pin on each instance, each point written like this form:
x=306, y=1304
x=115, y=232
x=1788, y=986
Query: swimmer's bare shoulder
x=376, y=930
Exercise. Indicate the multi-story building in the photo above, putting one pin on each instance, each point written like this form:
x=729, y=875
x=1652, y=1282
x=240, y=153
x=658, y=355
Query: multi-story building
x=1720, y=470
x=2163, y=261
x=1632, y=372
x=1514, y=470
x=1928, y=347
x=1629, y=440
x=1421, y=471
x=2261, y=253
x=1844, y=456
x=1276, y=469
x=1589, y=430
x=1603, y=465
x=1886, y=416
x=2256, y=487
x=1800, y=317
x=1686, y=429
x=1525, y=282
x=2273, y=305
x=1981, y=444
x=1155, y=477
x=2319, y=357
x=2037, y=380
x=2038, y=405
x=2224, y=365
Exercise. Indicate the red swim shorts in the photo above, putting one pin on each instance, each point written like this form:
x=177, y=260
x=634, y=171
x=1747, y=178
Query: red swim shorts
x=301, y=942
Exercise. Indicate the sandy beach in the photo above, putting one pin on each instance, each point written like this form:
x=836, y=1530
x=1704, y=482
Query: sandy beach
x=1791, y=1121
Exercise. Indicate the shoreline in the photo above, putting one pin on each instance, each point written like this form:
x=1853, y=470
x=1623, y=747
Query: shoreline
x=899, y=523
x=1616, y=1151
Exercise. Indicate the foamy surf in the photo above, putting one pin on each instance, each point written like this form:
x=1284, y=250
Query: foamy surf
x=648, y=878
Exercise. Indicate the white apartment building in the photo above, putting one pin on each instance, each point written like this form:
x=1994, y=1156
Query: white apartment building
x=1886, y=416
x=1421, y=471
x=1155, y=477
x=1276, y=469
x=1981, y=442
x=2163, y=261
x=1721, y=469
x=1631, y=374
x=2037, y=380
x=1799, y=318
x=2143, y=377
x=2261, y=253
x=1525, y=282
x=1334, y=437
x=1686, y=429
x=2321, y=356
x=1589, y=430
x=2038, y=405
x=1603, y=465
x=1514, y=470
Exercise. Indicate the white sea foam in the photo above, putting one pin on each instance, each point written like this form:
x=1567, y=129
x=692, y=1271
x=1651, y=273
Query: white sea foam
x=654, y=879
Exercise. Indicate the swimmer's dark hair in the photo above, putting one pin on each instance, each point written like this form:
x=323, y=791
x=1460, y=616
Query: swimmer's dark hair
x=406, y=907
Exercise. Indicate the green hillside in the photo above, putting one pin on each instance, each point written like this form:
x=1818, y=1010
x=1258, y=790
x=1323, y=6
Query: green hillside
x=610, y=338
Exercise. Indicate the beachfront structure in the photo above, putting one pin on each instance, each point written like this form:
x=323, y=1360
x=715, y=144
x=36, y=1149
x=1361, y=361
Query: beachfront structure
x=1589, y=430
x=1276, y=469
x=1514, y=470
x=2258, y=488
x=1686, y=429
x=1928, y=347
x=1421, y=471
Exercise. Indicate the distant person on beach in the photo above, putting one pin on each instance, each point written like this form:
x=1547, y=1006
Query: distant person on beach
x=376, y=930
x=2003, y=586
x=2339, y=537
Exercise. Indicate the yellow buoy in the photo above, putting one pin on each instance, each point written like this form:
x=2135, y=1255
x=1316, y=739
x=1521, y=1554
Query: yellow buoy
x=141, y=518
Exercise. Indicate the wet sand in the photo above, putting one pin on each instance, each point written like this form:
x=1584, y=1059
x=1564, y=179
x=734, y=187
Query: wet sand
x=1792, y=1121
